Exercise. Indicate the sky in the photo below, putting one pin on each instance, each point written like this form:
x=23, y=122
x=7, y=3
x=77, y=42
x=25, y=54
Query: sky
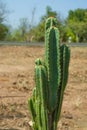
x=24, y=8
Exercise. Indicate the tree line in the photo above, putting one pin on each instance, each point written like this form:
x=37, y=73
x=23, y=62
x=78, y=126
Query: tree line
x=72, y=29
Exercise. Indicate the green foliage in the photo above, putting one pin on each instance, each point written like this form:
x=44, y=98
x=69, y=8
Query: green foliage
x=3, y=31
x=77, y=25
x=77, y=15
x=38, y=32
x=74, y=26
x=20, y=33
x=16, y=36
x=51, y=77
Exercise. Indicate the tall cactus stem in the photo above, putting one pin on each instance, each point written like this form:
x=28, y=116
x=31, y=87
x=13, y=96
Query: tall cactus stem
x=51, y=76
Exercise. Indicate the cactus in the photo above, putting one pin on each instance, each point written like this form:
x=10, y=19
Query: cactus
x=51, y=77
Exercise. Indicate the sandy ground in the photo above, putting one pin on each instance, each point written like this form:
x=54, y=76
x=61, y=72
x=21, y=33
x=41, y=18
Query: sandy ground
x=17, y=83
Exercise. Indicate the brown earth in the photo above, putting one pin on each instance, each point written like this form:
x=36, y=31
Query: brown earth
x=17, y=82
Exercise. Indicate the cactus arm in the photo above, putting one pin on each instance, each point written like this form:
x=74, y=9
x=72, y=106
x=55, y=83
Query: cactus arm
x=41, y=81
x=42, y=93
x=40, y=113
x=32, y=108
x=52, y=60
x=65, y=58
x=44, y=99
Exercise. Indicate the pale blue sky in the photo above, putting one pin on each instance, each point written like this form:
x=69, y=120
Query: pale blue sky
x=23, y=8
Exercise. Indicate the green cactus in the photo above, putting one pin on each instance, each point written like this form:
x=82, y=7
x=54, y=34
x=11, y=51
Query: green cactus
x=51, y=77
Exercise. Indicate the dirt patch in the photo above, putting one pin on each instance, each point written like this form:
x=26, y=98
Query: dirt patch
x=17, y=83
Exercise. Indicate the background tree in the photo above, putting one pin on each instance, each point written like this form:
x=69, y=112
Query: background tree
x=3, y=15
x=3, y=12
x=24, y=27
x=3, y=31
x=77, y=25
x=20, y=33
x=23, y=33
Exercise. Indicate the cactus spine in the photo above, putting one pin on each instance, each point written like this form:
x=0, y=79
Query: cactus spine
x=51, y=77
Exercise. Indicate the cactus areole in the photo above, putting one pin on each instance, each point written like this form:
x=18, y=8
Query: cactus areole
x=51, y=77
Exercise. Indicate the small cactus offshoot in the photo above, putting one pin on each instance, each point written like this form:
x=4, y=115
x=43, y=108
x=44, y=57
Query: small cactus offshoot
x=51, y=76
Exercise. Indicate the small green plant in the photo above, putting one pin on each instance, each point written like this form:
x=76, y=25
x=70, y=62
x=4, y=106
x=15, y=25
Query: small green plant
x=51, y=77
